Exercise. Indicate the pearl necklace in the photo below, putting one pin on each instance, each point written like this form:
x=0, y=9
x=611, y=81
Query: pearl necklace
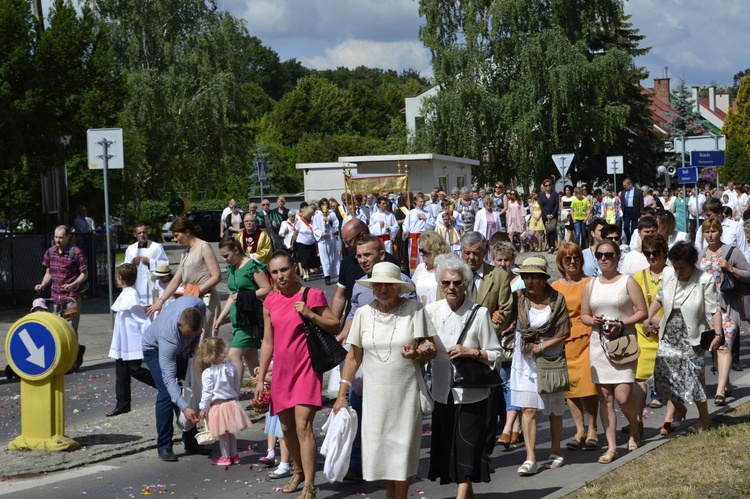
x=384, y=318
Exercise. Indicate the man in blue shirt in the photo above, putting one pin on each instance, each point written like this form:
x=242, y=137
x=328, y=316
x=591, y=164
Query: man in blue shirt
x=167, y=344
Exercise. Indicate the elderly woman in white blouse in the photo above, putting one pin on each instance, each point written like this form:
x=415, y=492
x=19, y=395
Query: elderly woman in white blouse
x=459, y=421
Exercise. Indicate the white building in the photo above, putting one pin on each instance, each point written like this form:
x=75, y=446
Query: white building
x=425, y=172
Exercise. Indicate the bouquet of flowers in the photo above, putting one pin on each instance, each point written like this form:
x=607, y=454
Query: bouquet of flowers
x=261, y=406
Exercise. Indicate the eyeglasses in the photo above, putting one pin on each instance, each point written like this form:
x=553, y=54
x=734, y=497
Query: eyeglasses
x=655, y=253
x=607, y=255
x=614, y=239
x=350, y=241
x=571, y=258
x=423, y=252
x=446, y=283
x=498, y=187
x=265, y=204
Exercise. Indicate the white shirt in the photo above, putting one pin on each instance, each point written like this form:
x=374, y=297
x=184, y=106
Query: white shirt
x=448, y=326
x=415, y=225
x=732, y=234
x=696, y=208
x=220, y=382
x=390, y=225
x=144, y=283
x=340, y=429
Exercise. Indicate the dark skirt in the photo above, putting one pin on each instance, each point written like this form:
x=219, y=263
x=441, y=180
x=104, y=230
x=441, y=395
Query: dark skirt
x=458, y=449
x=307, y=255
x=679, y=368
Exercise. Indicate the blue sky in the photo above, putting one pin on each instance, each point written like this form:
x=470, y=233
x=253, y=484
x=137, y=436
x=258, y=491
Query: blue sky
x=704, y=41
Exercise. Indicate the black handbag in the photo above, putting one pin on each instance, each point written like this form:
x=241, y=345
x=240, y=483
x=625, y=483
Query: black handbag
x=325, y=352
x=707, y=337
x=471, y=373
x=730, y=284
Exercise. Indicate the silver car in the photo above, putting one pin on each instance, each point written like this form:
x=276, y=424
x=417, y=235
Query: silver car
x=166, y=234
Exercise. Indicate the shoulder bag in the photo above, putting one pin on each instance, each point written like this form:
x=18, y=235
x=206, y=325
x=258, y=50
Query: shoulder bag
x=552, y=374
x=325, y=352
x=471, y=373
x=426, y=402
x=621, y=350
x=730, y=284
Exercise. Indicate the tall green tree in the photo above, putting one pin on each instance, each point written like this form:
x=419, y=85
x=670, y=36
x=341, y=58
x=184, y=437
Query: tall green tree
x=521, y=80
x=685, y=122
x=737, y=130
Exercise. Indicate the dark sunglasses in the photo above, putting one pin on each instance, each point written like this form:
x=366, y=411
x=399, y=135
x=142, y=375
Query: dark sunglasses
x=446, y=283
x=423, y=252
x=608, y=255
x=655, y=253
x=613, y=238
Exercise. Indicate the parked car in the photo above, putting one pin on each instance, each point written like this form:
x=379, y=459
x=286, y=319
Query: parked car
x=166, y=234
x=208, y=220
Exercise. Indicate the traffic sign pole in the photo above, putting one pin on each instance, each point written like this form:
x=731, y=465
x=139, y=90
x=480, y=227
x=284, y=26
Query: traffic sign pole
x=106, y=157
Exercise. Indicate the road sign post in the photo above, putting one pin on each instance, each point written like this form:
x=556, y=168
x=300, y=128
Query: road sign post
x=262, y=175
x=615, y=165
x=563, y=162
x=41, y=347
x=110, y=142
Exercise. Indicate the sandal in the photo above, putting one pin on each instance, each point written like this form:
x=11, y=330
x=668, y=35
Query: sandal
x=720, y=400
x=528, y=468
x=578, y=442
x=554, y=461
x=655, y=404
x=592, y=442
x=633, y=444
x=516, y=438
x=504, y=440
x=293, y=484
x=667, y=428
x=308, y=492
x=608, y=457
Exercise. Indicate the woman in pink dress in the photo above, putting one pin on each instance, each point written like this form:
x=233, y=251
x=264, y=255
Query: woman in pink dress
x=515, y=216
x=296, y=389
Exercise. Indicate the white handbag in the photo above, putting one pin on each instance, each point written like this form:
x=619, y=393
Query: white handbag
x=426, y=401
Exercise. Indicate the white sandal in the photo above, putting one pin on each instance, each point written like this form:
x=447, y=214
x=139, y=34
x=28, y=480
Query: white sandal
x=554, y=461
x=528, y=468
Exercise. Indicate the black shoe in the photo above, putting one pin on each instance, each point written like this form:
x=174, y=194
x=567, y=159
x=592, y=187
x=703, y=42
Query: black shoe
x=167, y=455
x=120, y=409
x=79, y=359
x=352, y=476
x=198, y=450
x=328, y=280
x=737, y=367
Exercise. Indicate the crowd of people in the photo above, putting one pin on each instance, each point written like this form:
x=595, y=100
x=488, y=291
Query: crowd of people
x=426, y=283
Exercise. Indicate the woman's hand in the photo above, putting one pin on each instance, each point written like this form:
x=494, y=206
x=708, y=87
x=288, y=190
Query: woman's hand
x=217, y=323
x=614, y=328
x=724, y=264
x=259, y=387
x=302, y=309
x=598, y=321
x=715, y=343
x=409, y=351
x=341, y=403
x=154, y=307
x=202, y=415
x=457, y=351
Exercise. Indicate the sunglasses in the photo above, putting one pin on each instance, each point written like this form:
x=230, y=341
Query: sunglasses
x=607, y=255
x=571, y=258
x=423, y=252
x=649, y=254
x=614, y=239
x=446, y=283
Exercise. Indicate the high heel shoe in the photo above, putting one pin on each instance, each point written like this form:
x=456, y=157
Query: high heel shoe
x=293, y=484
x=308, y=492
x=516, y=437
x=504, y=440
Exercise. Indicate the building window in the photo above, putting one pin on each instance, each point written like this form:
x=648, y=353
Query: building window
x=443, y=184
x=461, y=181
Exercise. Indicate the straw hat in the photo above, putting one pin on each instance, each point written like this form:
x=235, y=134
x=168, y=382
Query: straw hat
x=386, y=273
x=534, y=265
x=161, y=270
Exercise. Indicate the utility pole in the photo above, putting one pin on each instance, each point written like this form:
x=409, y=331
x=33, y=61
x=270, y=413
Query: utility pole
x=36, y=10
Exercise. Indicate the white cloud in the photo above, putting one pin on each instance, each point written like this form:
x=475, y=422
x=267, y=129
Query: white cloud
x=386, y=55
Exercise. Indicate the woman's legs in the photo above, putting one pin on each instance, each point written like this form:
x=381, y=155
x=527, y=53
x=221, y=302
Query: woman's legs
x=607, y=413
x=623, y=395
x=575, y=405
x=251, y=359
x=235, y=357
x=591, y=406
x=704, y=419
x=397, y=489
x=465, y=490
x=296, y=423
x=640, y=393
x=555, y=427
x=724, y=367
x=528, y=422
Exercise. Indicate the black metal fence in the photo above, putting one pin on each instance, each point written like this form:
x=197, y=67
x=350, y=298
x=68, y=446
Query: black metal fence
x=21, y=262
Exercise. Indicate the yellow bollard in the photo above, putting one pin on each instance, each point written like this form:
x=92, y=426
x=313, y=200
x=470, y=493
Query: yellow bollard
x=41, y=347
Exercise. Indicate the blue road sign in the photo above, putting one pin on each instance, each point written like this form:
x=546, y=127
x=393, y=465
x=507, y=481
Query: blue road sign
x=687, y=175
x=262, y=171
x=707, y=158
x=32, y=348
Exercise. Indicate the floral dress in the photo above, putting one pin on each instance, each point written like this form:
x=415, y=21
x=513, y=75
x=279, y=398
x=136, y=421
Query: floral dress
x=710, y=264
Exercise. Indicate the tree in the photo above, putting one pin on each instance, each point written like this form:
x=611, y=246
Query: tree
x=686, y=121
x=737, y=130
x=520, y=81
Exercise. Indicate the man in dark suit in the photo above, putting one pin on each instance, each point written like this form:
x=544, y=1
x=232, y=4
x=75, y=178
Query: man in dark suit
x=631, y=200
x=490, y=289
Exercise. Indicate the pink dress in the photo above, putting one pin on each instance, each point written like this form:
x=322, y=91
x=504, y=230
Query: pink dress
x=515, y=217
x=294, y=381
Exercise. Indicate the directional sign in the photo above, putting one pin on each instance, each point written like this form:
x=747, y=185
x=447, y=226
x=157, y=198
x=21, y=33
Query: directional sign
x=698, y=143
x=687, y=175
x=707, y=158
x=563, y=162
x=32, y=348
x=615, y=165
x=262, y=171
x=94, y=137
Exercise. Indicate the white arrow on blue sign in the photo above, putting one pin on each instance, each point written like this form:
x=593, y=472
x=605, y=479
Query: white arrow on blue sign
x=32, y=348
